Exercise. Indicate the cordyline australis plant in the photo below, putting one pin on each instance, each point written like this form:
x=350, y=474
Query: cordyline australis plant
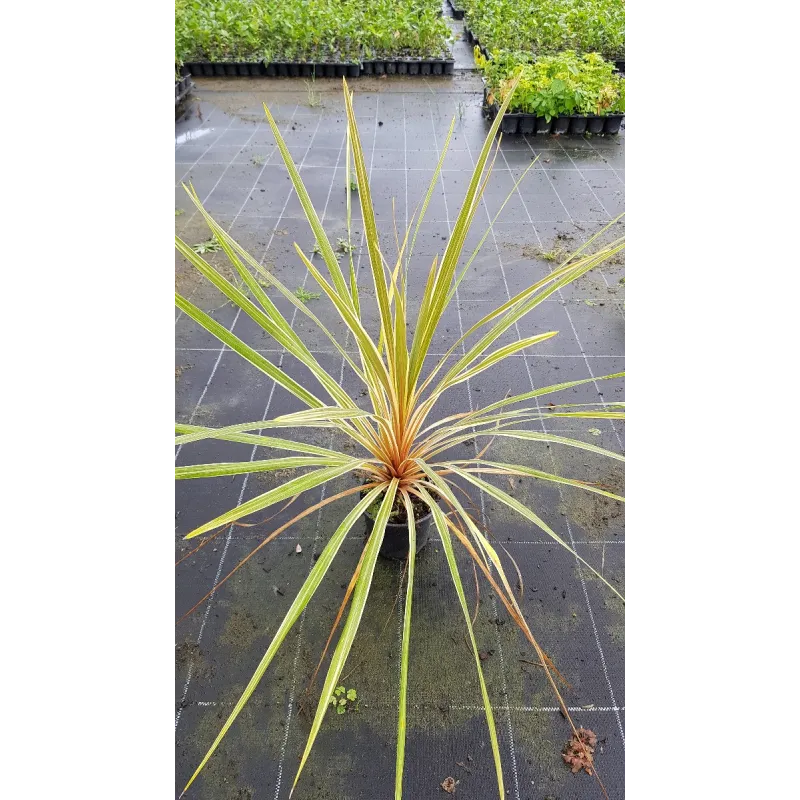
x=403, y=456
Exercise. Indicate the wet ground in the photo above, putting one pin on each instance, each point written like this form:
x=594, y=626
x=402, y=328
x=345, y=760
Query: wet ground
x=224, y=146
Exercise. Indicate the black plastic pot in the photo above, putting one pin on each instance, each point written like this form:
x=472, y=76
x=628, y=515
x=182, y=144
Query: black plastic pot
x=271, y=70
x=391, y=67
x=509, y=123
x=613, y=123
x=353, y=70
x=402, y=68
x=395, y=538
x=425, y=68
x=620, y=66
x=560, y=125
x=543, y=125
x=437, y=67
x=527, y=123
x=596, y=124
x=458, y=13
x=413, y=67
x=577, y=125
x=378, y=67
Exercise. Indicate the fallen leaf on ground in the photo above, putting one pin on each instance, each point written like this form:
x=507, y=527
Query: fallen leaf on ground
x=449, y=785
x=298, y=549
x=484, y=654
x=595, y=431
x=578, y=753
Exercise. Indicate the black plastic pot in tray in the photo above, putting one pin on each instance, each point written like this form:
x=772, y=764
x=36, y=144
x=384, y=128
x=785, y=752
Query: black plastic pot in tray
x=620, y=65
x=510, y=123
x=577, y=125
x=458, y=13
x=560, y=125
x=409, y=66
x=527, y=124
x=595, y=124
x=613, y=123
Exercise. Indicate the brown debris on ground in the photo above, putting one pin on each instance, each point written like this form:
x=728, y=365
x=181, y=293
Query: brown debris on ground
x=449, y=785
x=578, y=753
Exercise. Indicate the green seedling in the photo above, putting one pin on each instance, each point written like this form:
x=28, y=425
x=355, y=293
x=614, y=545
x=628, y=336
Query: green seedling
x=210, y=246
x=314, y=97
x=344, y=246
x=304, y=296
x=551, y=255
x=353, y=185
x=179, y=212
x=344, y=700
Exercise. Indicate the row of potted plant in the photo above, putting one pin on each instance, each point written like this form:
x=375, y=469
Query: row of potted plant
x=308, y=31
x=554, y=86
x=549, y=26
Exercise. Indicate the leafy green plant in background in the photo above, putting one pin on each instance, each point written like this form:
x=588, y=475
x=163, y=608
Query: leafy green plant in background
x=395, y=454
x=555, y=85
x=309, y=31
x=541, y=27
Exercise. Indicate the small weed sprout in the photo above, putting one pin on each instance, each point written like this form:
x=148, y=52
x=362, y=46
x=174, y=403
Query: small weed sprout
x=314, y=97
x=353, y=185
x=344, y=246
x=179, y=212
x=344, y=700
x=304, y=296
x=258, y=160
x=209, y=246
x=551, y=255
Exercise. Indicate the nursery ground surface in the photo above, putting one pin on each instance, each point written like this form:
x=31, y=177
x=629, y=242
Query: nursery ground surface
x=225, y=148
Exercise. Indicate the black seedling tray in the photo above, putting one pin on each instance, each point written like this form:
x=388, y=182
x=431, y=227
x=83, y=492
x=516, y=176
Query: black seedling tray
x=409, y=66
x=458, y=13
x=182, y=88
x=280, y=69
x=314, y=70
x=572, y=124
x=211, y=69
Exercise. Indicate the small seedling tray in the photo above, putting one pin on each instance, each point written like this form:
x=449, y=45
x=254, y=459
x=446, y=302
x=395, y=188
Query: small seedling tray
x=313, y=70
x=409, y=66
x=395, y=66
x=211, y=69
x=182, y=88
x=572, y=124
x=458, y=13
